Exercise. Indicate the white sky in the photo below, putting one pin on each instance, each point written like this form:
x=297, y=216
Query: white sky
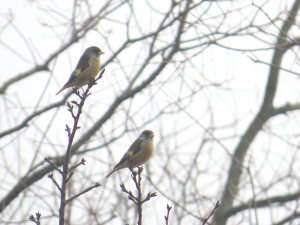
x=245, y=78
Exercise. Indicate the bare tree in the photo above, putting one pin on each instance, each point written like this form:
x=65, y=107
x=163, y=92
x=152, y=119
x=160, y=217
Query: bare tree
x=217, y=81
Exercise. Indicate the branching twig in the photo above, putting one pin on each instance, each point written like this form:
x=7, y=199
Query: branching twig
x=130, y=195
x=67, y=172
x=150, y=195
x=136, y=177
x=35, y=220
x=168, y=213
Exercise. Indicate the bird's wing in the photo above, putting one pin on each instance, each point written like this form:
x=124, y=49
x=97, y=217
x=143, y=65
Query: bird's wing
x=81, y=66
x=133, y=149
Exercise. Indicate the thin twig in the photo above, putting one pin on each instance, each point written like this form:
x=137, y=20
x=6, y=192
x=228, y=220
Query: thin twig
x=82, y=162
x=139, y=198
x=56, y=168
x=54, y=181
x=150, y=195
x=168, y=213
x=136, y=177
x=37, y=220
x=84, y=191
x=67, y=174
x=212, y=212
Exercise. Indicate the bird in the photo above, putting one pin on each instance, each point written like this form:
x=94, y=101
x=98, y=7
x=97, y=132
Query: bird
x=138, y=153
x=87, y=67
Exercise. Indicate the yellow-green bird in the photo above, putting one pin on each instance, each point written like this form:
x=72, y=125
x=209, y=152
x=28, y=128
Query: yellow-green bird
x=88, y=67
x=138, y=153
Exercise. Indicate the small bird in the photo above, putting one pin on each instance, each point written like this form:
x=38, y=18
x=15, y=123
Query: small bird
x=138, y=153
x=88, y=67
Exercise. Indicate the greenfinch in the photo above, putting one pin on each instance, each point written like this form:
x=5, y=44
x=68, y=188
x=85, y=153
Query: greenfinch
x=138, y=153
x=88, y=67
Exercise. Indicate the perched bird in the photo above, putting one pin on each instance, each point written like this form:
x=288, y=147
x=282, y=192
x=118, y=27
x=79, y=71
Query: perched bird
x=88, y=67
x=138, y=153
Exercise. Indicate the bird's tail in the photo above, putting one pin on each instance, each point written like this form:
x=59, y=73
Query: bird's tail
x=110, y=173
x=60, y=91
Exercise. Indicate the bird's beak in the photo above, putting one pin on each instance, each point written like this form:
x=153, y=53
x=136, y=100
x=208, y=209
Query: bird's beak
x=102, y=53
x=151, y=135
